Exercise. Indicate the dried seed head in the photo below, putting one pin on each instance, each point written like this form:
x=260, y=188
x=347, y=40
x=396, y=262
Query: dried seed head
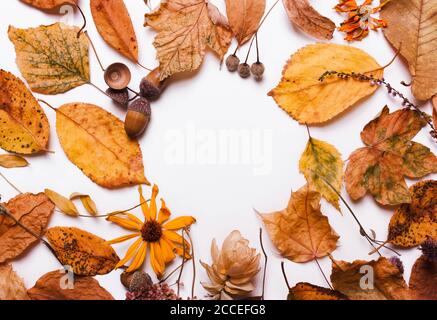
x=257, y=70
x=232, y=62
x=117, y=76
x=429, y=249
x=244, y=70
x=397, y=263
x=137, y=117
x=119, y=96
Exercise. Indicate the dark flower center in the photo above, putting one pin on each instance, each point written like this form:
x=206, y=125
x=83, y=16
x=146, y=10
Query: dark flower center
x=151, y=231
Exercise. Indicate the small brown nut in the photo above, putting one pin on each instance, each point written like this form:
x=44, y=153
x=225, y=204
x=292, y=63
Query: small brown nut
x=151, y=87
x=257, y=70
x=137, y=117
x=232, y=63
x=244, y=70
x=117, y=76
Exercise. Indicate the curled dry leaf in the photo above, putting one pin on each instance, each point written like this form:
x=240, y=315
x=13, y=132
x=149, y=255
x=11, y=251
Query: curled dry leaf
x=412, y=28
x=199, y=26
x=303, y=15
x=85, y=253
x=34, y=212
x=423, y=279
x=115, y=26
x=49, y=4
x=301, y=232
x=244, y=18
x=87, y=202
x=52, y=58
x=322, y=166
x=369, y=280
x=48, y=287
x=307, y=291
x=95, y=141
x=24, y=126
x=308, y=100
x=389, y=155
x=412, y=223
x=11, y=285
x=62, y=203
x=12, y=161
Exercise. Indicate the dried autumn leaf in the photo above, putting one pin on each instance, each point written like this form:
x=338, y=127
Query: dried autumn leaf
x=34, y=212
x=322, y=166
x=115, y=26
x=11, y=285
x=244, y=18
x=24, y=126
x=303, y=15
x=301, y=232
x=389, y=155
x=369, y=280
x=12, y=161
x=434, y=110
x=87, y=202
x=307, y=291
x=62, y=203
x=51, y=58
x=48, y=287
x=95, y=141
x=412, y=28
x=49, y=4
x=185, y=30
x=413, y=222
x=308, y=100
x=423, y=279
x=87, y=254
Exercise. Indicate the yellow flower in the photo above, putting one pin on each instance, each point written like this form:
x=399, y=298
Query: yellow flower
x=156, y=234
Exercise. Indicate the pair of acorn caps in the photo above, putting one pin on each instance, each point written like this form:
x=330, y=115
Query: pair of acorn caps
x=117, y=77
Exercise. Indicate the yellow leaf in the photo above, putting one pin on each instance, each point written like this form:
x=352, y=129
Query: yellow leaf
x=322, y=166
x=87, y=202
x=308, y=100
x=185, y=30
x=62, y=203
x=24, y=126
x=49, y=4
x=12, y=161
x=96, y=142
x=301, y=232
x=51, y=58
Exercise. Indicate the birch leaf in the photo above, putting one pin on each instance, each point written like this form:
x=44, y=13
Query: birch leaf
x=49, y=4
x=51, y=58
x=308, y=100
x=11, y=285
x=321, y=164
x=96, y=142
x=185, y=30
x=87, y=202
x=24, y=126
x=62, y=203
x=412, y=27
x=12, y=161
x=115, y=26
x=301, y=232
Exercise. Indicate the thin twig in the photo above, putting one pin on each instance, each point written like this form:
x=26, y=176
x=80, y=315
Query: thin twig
x=324, y=276
x=183, y=263
x=116, y=213
x=11, y=184
x=285, y=275
x=265, y=262
x=194, y=264
x=84, y=21
x=95, y=51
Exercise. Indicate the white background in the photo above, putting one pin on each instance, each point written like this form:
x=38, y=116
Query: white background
x=221, y=197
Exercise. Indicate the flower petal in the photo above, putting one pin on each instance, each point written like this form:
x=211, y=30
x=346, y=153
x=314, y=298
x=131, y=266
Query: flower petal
x=179, y=223
x=130, y=253
x=156, y=259
x=164, y=213
x=125, y=223
x=176, y=238
x=144, y=204
x=139, y=258
x=167, y=250
x=123, y=239
x=134, y=218
x=153, y=208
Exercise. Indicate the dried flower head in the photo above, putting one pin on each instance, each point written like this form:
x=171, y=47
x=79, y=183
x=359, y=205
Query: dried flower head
x=397, y=263
x=429, y=249
x=233, y=268
x=360, y=18
x=160, y=291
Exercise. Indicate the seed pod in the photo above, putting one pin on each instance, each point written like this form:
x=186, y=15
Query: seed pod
x=136, y=281
x=244, y=70
x=257, y=70
x=151, y=86
x=232, y=62
x=119, y=96
x=137, y=117
x=117, y=76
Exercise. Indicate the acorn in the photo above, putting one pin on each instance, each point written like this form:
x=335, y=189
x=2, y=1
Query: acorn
x=232, y=62
x=257, y=70
x=137, y=117
x=136, y=281
x=117, y=76
x=119, y=96
x=151, y=87
x=244, y=70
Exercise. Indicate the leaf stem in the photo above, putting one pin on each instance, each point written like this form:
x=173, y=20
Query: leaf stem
x=194, y=264
x=265, y=262
x=182, y=265
x=324, y=276
x=285, y=275
x=95, y=51
x=84, y=20
x=11, y=184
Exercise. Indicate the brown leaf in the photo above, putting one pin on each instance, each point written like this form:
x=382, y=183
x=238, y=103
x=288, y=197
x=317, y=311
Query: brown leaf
x=12, y=161
x=244, y=18
x=369, y=280
x=301, y=232
x=199, y=26
x=115, y=26
x=303, y=15
x=87, y=254
x=423, y=279
x=434, y=111
x=62, y=203
x=49, y=4
x=412, y=27
x=307, y=291
x=11, y=285
x=34, y=212
x=48, y=287
x=388, y=157
x=414, y=222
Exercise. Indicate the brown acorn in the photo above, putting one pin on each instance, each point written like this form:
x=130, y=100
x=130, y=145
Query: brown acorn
x=151, y=87
x=232, y=63
x=117, y=76
x=137, y=117
x=257, y=70
x=244, y=70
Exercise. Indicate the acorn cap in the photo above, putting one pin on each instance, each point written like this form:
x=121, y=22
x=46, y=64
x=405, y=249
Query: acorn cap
x=119, y=96
x=117, y=76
